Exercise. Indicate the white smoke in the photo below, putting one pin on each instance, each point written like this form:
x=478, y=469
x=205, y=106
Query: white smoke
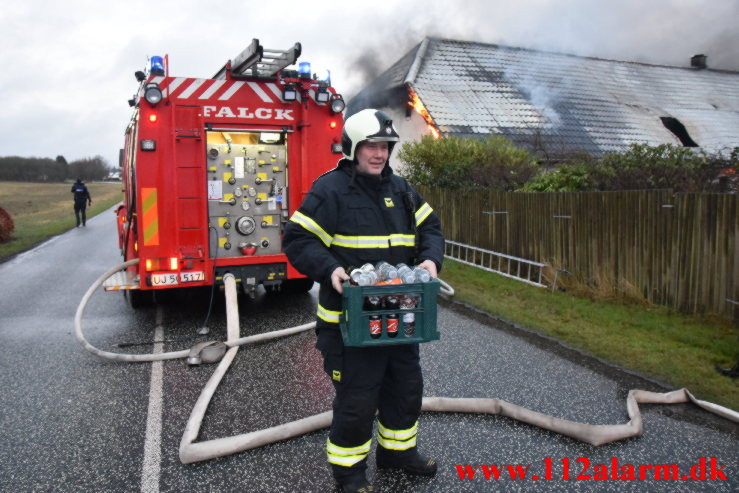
x=666, y=32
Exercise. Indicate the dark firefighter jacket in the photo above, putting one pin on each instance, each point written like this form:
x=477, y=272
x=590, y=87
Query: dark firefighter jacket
x=81, y=195
x=349, y=219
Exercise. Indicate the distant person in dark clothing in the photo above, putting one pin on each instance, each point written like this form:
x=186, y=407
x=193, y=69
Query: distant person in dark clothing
x=81, y=201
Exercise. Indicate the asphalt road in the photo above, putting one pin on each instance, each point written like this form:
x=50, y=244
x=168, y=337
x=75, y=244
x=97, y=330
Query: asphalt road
x=74, y=422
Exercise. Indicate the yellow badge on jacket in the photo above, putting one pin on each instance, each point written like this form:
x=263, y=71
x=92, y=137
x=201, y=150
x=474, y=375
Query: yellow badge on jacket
x=336, y=375
x=389, y=202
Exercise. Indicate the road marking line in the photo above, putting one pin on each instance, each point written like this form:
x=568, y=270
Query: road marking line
x=152, y=445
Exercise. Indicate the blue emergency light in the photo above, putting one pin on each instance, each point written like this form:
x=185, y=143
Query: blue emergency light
x=304, y=70
x=157, y=66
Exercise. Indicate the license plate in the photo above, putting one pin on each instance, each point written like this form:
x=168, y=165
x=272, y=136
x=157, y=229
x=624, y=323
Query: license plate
x=164, y=279
x=192, y=276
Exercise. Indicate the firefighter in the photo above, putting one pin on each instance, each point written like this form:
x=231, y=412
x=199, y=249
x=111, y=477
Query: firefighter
x=81, y=200
x=361, y=212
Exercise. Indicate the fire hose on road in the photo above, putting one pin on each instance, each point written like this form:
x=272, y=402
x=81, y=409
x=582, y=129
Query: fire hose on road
x=192, y=451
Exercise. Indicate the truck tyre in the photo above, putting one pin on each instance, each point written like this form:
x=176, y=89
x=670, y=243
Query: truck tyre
x=297, y=285
x=139, y=299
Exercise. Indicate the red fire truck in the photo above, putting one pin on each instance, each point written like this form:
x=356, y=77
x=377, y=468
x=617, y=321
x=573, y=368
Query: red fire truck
x=213, y=169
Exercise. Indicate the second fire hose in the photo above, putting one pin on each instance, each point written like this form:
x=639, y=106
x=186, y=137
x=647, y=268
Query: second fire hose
x=191, y=451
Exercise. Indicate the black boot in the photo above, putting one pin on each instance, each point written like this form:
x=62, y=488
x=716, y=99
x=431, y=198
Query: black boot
x=353, y=479
x=357, y=485
x=408, y=460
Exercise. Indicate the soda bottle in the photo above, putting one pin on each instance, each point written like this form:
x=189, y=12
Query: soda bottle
x=409, y=323
x=408, y=302
x=392, y=302
x=375, y=326
x=358, y=278
x=368, y=278
x=392, y=325
x=356, y=274
x=386, y=271
x=365, y=279
x=421, y=275
x=372, y=302
x=390, y=282
x=406, y=274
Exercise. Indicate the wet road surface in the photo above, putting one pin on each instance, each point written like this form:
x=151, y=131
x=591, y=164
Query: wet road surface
x=75, y=422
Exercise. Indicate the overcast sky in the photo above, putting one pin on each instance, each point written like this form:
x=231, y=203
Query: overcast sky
x=66, y=68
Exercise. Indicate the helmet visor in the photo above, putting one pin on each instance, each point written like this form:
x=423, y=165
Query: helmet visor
x=382, y=138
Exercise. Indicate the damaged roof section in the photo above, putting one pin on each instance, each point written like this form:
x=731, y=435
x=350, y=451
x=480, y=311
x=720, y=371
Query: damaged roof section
x=560, y=102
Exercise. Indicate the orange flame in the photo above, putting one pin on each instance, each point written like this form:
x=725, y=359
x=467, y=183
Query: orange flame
x=416, y=103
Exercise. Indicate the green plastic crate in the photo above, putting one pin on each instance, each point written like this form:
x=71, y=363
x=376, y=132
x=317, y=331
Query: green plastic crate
x=354, y=320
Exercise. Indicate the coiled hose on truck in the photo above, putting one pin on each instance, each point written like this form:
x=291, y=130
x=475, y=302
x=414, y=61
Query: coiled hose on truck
x=192, y=451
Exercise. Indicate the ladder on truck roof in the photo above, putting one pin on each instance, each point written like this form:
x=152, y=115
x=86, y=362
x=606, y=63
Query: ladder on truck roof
x=257, y=61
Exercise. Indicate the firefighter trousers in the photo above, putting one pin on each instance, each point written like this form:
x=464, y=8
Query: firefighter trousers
x=79, y=209
x=383, y=379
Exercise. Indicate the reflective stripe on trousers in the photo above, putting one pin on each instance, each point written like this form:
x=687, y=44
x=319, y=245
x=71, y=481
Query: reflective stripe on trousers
x=346, y=456
x=397, y=439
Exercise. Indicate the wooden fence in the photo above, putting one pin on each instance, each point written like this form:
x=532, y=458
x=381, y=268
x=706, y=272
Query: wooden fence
x=678, y=250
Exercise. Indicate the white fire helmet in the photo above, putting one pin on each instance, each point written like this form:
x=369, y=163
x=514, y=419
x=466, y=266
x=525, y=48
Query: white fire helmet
x=368, y=125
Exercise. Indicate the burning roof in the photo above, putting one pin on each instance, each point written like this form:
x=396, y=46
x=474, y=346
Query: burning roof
x=557, y=101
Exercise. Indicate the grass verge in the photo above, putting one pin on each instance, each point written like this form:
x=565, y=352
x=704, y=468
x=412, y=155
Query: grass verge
x=42, y=210
x=677, y=349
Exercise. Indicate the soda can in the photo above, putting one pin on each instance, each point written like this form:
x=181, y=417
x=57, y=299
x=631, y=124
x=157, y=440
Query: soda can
x=409, y=324
x=375, y=326
x=392, y=325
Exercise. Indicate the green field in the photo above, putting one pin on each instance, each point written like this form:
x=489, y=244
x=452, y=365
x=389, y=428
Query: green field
x=42, y=210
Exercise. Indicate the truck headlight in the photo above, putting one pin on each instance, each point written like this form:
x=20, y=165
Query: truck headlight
x=153, y=93
x=337, y=103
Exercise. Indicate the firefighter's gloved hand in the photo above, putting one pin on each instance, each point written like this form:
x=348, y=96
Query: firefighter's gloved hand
x=337, y=276
x=430, y=266
x=89, y=202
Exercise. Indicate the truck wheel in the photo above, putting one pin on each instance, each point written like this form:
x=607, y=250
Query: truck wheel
x=139, y=299
x=297, y=285
x=272, y=289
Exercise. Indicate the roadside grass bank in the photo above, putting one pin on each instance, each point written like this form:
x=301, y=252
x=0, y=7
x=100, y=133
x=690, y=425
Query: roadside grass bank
x=677, y=349
x=42, y=210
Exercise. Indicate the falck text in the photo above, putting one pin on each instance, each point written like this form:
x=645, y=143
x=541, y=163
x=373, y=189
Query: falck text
x=260, y=113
